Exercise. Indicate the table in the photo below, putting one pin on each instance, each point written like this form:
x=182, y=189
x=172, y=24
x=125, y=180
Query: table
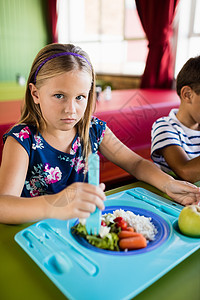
x=21, y=278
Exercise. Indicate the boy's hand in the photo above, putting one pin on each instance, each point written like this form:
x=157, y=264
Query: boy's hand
x=183, y=192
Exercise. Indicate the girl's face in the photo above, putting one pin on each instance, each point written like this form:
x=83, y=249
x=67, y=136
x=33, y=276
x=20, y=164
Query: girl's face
x=63, y=99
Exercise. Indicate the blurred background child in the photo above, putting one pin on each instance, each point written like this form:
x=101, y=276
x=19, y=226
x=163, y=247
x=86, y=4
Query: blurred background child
x=176, y=138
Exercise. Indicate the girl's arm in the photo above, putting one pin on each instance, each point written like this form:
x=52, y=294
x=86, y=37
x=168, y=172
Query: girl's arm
x=76, y=201
x=14, y=166
x=114, y=150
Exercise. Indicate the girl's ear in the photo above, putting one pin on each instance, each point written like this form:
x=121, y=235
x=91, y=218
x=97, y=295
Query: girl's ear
x=34, y=93
x=186, y=94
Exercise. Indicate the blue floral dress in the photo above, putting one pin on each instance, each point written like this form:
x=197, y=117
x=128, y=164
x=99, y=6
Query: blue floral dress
x=51, y=170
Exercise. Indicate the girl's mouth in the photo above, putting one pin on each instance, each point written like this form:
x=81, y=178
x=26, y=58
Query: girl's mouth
x=68, y=120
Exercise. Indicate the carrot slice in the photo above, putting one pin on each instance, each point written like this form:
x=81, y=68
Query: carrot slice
x=126, y=234
x=129, y=229
x=132, y=243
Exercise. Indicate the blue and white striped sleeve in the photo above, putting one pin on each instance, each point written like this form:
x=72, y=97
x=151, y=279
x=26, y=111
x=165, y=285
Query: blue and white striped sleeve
x=163, y=134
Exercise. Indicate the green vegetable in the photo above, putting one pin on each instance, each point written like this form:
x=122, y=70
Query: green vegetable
x=79, y=229
x=114, y=228
x=109, y=242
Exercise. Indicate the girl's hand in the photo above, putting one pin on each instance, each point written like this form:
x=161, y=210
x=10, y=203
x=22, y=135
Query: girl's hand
x=183, y=192
x=77, y=201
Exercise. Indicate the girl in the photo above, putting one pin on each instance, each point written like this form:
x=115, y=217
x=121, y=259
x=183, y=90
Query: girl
x=45, y=155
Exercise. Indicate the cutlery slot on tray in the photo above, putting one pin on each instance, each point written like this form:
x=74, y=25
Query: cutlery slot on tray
x=59, y=242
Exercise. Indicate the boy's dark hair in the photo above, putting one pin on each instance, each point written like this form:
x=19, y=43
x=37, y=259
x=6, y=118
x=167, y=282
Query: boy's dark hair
x=189, y=75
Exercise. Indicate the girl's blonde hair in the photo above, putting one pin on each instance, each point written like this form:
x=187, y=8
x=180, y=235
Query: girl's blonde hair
x=31, y=112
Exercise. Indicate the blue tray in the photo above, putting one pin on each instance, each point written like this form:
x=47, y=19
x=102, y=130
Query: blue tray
x=82, y=271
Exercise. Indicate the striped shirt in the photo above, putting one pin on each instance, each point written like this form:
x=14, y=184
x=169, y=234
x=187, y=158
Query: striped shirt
x=167, y=131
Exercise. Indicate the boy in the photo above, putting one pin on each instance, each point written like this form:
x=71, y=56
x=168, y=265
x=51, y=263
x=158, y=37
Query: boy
x=176, y=138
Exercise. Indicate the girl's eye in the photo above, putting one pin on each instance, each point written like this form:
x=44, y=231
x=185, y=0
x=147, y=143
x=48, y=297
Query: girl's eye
x=80, y=97
x=59, y=96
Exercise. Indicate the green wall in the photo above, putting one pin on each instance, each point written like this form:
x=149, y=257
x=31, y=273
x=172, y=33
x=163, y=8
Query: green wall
x=23, y=32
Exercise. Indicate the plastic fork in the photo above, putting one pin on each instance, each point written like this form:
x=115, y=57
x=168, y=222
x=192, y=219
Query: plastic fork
x=93, y=222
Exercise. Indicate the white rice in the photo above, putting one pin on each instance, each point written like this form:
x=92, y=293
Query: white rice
x=141, y=224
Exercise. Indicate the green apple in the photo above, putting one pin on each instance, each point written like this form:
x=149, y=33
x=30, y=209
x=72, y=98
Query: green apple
x=189, y=221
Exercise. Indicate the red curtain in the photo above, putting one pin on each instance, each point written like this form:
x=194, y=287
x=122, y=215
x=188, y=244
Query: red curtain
x=156, y=17
x=52, y=13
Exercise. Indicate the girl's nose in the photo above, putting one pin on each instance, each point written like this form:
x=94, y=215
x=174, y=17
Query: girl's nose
x=70, y=106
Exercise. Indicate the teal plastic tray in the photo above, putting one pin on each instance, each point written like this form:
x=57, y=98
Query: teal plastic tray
x=82, y=272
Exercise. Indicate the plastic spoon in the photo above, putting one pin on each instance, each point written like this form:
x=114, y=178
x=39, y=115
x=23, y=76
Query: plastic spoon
x=93, y=223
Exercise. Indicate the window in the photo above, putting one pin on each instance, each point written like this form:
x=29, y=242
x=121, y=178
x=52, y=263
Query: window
x=110, y=31
x=188, y=43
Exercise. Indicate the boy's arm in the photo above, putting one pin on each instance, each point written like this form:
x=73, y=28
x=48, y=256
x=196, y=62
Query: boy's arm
x=186, y=168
